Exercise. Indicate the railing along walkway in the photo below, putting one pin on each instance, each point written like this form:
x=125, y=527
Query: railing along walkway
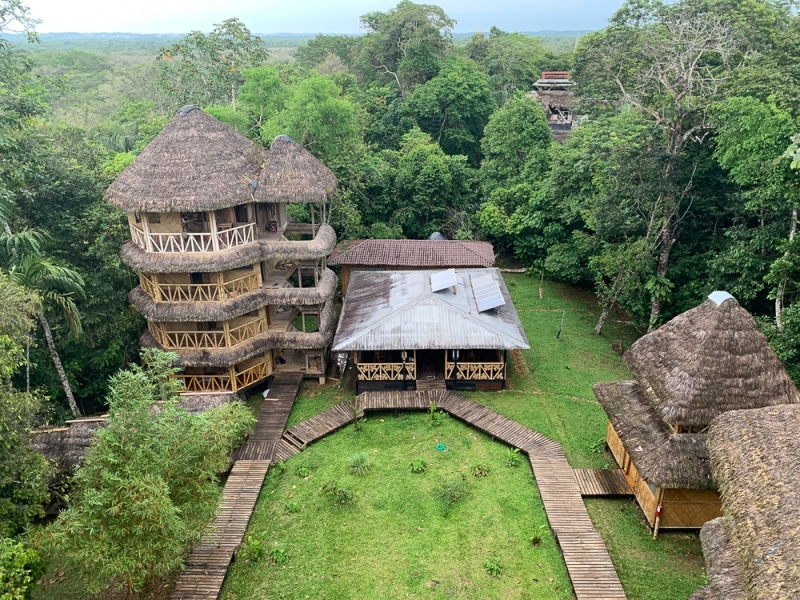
x=588, y=563
x=208, y=563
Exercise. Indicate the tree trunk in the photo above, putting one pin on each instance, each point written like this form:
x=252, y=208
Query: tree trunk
x=610, y=301
x=48, y=335
x=28, y=366
x=782, y=286
x=661, y=271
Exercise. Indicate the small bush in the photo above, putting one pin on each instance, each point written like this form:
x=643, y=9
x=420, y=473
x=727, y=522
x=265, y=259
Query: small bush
x=493, y=566
x=302, y=470
x=418, y=466
x=358, y=464
x=538, y=534
x=512, y=457
x=280, y=467
x=20, y=569
x=339, y=494
x=279, y=555
x=292, y=507
x=480, y=470
x=252, y=550
x=450, y=492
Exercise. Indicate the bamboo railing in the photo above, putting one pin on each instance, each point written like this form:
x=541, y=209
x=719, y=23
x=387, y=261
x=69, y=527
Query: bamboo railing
x=387, y=371
x=207, y=340
x=199, y=292
x=194, y=242
x=487, y=371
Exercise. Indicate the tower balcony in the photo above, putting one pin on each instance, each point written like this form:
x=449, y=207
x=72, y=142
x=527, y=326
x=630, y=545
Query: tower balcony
x=228, y=379
x=209, y=335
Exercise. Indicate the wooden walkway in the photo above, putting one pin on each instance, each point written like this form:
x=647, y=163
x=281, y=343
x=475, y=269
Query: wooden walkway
x=207, y=565
x=588, y=563
x=602, y=482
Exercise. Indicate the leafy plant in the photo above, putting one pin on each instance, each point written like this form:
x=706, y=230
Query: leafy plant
x=20, y=569
x=279, y=555
x=358, y=464
x=480, y=470
x=512, y=457
x=450, y=492
x=292, y=507
x=252, y=550
x=493, y=566
x=302, y=470
x=418, y=466
x=437, y=416
x=598, y=447
x=538, y=534
x=280, y=467
x=339, y=494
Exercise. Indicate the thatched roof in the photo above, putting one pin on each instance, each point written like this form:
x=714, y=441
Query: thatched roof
x=663, y=458
x=413, y=253
x=292, y=174
x=65, y=447
x=270, y=340
x=171, y=312
x=722, y=567
x=707, y=361
x=231, y=258
x=754, y=458
x=195, y=163
x=703, y=593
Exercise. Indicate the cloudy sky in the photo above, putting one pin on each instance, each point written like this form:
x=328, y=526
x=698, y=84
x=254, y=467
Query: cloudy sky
x=307, y=16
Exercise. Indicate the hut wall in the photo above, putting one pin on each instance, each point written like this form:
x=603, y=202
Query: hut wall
x=615, y=445
x=345, y=278
x=169, y=223
x=174, y=278
x=689, y=508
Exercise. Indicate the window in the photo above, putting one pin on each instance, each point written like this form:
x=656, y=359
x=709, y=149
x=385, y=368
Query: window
x=241, y=214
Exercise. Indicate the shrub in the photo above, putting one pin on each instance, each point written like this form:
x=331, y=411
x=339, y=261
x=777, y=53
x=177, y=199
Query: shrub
x=493, y=566
x=252, y=550
x=512, y=457
x=280, y=467
x=450, y=492
x=418, y=466
x=358, y=464
x=480, y=470
x=292, y=507
x=339, y=494
x=302, y=470
x=538, y=534
x=279, y=555
x=20, y=569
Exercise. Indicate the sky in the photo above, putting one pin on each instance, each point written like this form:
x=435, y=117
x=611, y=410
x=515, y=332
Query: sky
x=307, y=16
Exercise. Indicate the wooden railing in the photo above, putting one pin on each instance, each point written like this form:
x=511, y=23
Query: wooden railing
x=207, y=340
x=475, y=371
x=386, y=371
x=246, y=331
x=254, y=374
x=194, y=242
x=206, y=383
x=200, y=292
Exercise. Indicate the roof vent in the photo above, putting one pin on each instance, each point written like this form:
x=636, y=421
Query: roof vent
x=284, y=138
x=187, y=109
x=443, y=280
x=719, y=297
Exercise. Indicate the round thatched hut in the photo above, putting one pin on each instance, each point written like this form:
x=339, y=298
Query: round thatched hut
x=752, y=552
x=703, y=363
x=227, y=280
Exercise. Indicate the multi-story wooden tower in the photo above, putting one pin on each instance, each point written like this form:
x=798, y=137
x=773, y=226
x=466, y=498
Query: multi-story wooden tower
x=227, y=280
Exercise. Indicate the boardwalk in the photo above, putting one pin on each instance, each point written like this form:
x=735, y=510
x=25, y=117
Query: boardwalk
x=602, y=482
x=588, y=563
x=207, y=565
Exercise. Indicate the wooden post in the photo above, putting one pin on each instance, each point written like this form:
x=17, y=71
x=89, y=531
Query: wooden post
x=561, y=331
x=146, y=227
x=659, y=507
x=212, y=218
x=541, y=283
x=226, y=328
x=313, y=232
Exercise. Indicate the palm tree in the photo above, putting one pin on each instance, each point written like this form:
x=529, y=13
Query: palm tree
x=58, y=286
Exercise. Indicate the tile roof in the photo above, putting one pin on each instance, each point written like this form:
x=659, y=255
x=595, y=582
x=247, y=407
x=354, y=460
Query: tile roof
x=413, y=253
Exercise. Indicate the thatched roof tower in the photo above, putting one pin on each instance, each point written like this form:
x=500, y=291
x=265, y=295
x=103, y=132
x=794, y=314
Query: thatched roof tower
x=707, y=361
x=196, y=163
x=293, y=174
x=754, y=550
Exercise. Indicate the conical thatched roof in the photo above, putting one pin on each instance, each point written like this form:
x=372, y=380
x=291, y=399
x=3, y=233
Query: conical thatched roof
x=754, y=460
x=293, y=174
x=662, y=457
x=707, y=361
x=196, y=163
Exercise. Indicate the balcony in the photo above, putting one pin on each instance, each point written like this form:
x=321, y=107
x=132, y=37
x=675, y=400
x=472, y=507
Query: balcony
x=228, y=335
x=231, y=379
x=386, y=371
x=221, y=237
x=227, y=287
x=465, y=371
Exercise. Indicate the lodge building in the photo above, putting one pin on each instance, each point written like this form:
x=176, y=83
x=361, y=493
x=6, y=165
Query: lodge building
x=226, y=279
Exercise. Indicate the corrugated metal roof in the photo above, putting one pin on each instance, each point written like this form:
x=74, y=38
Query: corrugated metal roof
x=396, y=310
x=413, y=253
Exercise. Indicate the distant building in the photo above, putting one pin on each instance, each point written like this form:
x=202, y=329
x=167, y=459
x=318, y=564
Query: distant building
x=400, y=255
x=554, y=91
x=410, y=330
x=705, y=362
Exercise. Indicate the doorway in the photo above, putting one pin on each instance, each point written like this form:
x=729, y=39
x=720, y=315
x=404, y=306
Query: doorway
x=430, y=364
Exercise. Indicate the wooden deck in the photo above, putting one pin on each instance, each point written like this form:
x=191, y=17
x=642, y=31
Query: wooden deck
x=602, y=482
x=208, y=563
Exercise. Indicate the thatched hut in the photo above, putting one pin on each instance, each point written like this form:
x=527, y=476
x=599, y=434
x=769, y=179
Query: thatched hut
x=227, y=280
x=754, y=550
x=703, y=363
x=554, y=89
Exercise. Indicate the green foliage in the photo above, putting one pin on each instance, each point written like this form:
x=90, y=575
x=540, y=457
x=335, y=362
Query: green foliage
x=493, y=566
x=339, y=494
x=418, y=466
x=450, y=492
x=302, y=470
x=252, y=550
x=292, y=508
x=233, y=119
x=20, y=567
x=512, y=458
x=279, y=555
x=147, y=487
x=539, y=534
x=480, y=470
x=358, y=464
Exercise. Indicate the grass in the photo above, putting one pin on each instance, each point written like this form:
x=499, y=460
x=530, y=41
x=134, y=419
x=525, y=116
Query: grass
x=394, y=540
